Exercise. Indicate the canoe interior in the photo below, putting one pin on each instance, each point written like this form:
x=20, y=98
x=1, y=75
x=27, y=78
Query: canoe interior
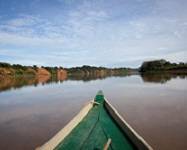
x=93, y=132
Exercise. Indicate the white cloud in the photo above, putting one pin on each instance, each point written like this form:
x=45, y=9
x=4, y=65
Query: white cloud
x=22, y=21
x=93, y=35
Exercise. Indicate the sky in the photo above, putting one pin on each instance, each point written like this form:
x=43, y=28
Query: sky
x=110, y=33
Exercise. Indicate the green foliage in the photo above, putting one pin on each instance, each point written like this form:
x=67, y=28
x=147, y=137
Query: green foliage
x=91, y=70
x=4, y=65
x=34, y=67
x=19, y=67
x=19, y=72
x=161, y=65
x=52, y=70
x=82, y=71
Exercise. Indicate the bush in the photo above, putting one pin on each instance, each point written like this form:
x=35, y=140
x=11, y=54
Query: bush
x=3, y=65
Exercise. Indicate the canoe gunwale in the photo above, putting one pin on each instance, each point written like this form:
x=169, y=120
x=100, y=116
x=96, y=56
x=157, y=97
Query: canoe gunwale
x=60, y=136
x=136, y=139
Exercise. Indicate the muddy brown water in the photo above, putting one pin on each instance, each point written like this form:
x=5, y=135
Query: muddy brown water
x=31, y=112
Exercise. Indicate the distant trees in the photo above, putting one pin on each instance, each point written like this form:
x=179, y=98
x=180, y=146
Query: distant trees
x=84, y=70
x=17, y=69
x=52, y=70
x=3, y=65
x=34, y=67
x=14, y=66
x=161, y=65
x=17, y=66
x=91, y=70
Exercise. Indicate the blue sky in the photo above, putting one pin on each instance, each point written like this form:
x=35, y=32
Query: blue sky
x=111, y=33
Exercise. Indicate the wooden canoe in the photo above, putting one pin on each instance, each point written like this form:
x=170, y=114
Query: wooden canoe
x=98, y=126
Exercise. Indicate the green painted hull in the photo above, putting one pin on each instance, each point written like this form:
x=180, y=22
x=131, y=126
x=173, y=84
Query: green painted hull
x=93, y=132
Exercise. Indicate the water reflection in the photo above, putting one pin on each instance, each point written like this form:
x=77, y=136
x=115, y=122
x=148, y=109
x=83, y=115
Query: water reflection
x=30, y=116
x=10, y=82
x=87, y=78
x=161, y=77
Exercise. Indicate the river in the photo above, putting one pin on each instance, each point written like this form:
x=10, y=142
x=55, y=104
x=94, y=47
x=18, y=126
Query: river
x=31, y=112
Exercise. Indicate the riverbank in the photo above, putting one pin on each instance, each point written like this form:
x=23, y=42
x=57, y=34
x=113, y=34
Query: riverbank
x=62, y=73
x=148, y=67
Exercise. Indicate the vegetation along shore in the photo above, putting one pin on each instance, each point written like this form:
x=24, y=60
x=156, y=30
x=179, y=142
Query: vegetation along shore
x=163, y=66
x=155, y=66
x=7, y=69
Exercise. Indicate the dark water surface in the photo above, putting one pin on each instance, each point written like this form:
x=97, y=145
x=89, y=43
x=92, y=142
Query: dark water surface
x=31, y=112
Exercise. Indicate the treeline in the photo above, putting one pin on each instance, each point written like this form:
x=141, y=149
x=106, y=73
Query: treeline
x=148, y=66
x=91, y=70
x=163, y=65
x=52, y=70
x=15, y=66
x=16, y=69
